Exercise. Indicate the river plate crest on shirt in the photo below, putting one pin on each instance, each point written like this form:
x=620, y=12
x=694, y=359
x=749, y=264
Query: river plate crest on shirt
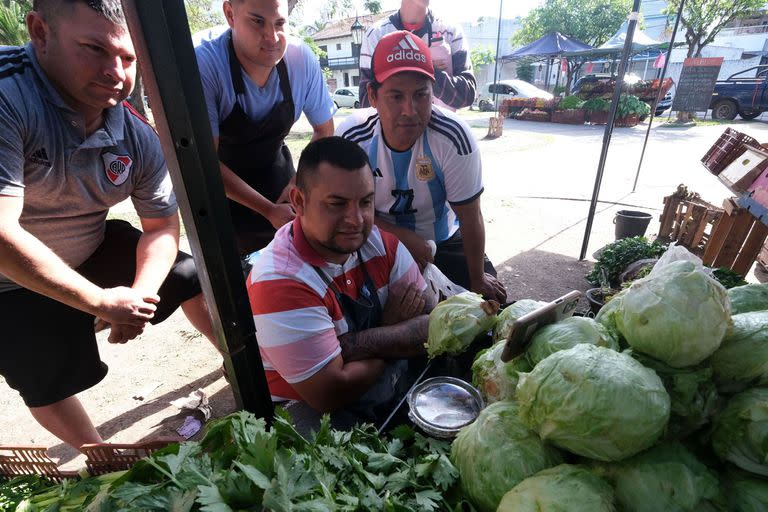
x=117, y=167
x=424, y=169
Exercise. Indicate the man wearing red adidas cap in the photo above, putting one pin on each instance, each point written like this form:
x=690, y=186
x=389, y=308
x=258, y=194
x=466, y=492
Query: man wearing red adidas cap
x=427, y=166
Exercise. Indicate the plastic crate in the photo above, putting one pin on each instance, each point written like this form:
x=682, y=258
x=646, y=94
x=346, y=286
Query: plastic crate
x=726, y=149
x=101, y=458
x=30, y=460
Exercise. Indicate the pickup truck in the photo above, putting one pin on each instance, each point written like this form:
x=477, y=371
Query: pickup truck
x=744, y=93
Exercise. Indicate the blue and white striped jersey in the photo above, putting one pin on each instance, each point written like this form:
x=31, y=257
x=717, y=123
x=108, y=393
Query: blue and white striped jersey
x=416, y=188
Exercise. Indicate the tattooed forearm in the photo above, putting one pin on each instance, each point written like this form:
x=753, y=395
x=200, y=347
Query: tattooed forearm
x=402, y=340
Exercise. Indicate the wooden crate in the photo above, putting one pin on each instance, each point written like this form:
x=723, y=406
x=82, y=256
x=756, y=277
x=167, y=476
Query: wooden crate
x=688, y=220
x=736, y=241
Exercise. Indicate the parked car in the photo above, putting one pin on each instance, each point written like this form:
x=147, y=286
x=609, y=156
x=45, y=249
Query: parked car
x=347, y=97
x=743, y=93
x=506, y=89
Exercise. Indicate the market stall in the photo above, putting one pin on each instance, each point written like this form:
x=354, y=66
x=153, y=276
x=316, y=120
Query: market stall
x=654, y=404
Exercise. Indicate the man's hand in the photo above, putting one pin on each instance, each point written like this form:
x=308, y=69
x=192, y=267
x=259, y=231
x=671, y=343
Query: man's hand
x=490, y=288
x=403, y=306
x=285, y=195
x=440, y=65
x=281, y=214
x=123, y=305
x=121, y=333
x=418, y=247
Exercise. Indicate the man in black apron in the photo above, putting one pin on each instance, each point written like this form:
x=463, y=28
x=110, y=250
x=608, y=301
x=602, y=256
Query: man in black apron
x=256, y=84
x=338, y=305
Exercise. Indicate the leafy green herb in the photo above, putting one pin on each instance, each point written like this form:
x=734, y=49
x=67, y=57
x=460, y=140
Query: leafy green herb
x=616, y=256
x=241, y=465
x=570, y=103
x=728, y=278
x=13, y=491
x=629, y=104
x=596, y=104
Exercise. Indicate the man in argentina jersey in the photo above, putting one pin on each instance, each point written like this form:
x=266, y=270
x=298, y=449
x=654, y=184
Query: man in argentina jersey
x=426, y=164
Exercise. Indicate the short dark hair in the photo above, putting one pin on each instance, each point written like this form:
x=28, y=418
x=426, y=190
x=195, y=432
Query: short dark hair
x=112, y=10
x=336, y=151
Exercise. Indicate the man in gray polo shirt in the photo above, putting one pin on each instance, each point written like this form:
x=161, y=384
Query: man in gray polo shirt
x=69, y=150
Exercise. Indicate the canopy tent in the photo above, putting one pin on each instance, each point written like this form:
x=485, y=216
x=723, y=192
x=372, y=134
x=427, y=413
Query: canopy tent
x=640, y=43
x=553, y=44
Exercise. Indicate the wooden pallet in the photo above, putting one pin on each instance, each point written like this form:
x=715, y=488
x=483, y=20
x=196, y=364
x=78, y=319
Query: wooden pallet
x=736, y=240
x=688, y=220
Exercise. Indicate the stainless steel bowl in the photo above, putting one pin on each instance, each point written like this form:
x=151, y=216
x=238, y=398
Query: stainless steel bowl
x=441, y=406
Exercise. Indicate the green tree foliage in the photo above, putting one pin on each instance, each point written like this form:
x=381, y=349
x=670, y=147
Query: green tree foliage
x=525, y=70
x=590, y=21
x=481, y=56
x=373, y=6
x=702, y=20
x=335, y=9
x=13, y=29
x=201, y=15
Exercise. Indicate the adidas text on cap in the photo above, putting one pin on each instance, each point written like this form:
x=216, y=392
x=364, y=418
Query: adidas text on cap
x=401, y=51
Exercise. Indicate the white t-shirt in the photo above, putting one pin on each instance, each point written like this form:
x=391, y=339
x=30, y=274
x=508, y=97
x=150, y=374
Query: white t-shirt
x=416, y=188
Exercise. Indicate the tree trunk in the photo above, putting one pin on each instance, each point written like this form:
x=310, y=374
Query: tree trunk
x=291, y=5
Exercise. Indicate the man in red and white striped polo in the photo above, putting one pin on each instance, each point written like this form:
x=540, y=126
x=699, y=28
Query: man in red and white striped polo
x=338, y=305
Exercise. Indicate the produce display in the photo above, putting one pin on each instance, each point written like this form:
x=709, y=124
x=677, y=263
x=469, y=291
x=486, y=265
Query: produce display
x=567, y=334
x=582, y=400
x=677, y=314
x=666, y=477
x=457, y=321
x=742, y=359
x=495, y=379
x=740, y=433
x=563, y=488
x=511, y=313
x=692, y=393
x=748, y=298
x=616, y=256
x=658, y=404
x=497, y=452
x=240, y=464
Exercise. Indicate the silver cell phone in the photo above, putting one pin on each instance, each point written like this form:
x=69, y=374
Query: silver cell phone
x=524, y=327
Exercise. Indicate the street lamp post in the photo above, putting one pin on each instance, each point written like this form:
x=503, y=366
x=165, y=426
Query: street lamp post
x=357, y=29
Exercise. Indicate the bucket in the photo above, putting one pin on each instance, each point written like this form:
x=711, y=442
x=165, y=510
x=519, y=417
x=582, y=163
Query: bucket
x=631, y=223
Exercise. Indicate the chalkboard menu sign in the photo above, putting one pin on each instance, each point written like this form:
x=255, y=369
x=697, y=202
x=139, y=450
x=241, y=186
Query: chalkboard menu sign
x=697, y=81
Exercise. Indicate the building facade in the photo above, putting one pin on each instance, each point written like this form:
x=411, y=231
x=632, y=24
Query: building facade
x=342, y=58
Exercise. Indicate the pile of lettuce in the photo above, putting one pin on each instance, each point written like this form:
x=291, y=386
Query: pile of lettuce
x=659, y=403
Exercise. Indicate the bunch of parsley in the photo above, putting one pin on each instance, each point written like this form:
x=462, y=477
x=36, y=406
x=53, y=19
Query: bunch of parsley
x=241, y=465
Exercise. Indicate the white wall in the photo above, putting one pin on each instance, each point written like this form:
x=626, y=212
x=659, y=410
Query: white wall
x=333, y=53
x=733, y=62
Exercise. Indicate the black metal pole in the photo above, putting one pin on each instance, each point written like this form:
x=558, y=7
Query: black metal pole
x=609, y=127
x=160, y=32
x=659, y=95
x=496, y=60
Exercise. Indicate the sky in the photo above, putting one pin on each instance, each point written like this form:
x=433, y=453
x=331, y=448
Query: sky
x=454, y=10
